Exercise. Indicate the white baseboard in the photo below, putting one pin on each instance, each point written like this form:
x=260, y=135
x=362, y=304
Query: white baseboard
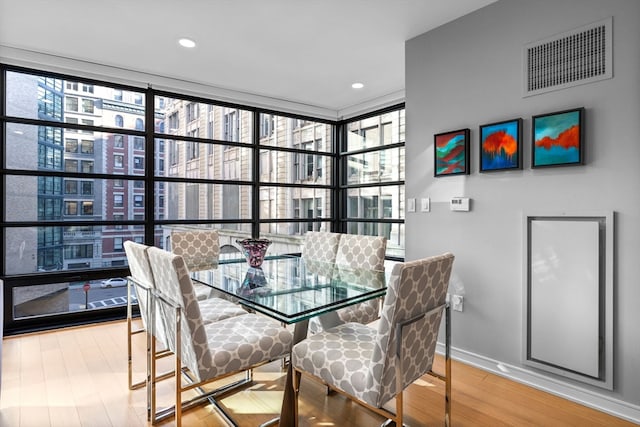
x=591, y=399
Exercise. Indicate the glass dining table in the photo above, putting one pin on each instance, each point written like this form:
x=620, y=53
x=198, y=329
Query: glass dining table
x=292, y=290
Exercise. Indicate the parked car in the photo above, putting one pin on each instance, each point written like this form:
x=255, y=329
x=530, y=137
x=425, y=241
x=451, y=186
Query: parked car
x=114, y=282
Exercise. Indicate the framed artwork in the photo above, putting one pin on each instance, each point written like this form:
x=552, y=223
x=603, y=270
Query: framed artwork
x=557, y=138
x=451, y=152
x=501, y=146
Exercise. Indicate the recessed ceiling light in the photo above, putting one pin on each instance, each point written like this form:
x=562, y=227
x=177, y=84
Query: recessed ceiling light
x=185, y=42
x=357, y=85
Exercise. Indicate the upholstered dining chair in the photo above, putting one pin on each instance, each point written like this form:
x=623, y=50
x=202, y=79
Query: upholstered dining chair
x=142, y=279
x=359, y=257
x=319, y=251
x=320, y=246
x=362, y=252
x=372, y=366
x=207, y=352
x=200, y=250
x=367, y=311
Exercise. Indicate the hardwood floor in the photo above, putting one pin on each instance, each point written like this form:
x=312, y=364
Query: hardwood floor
x=78, y=377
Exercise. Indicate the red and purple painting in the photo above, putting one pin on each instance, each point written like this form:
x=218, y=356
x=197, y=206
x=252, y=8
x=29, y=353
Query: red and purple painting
x=500, y=146
x=451, y=153
x=557, y=138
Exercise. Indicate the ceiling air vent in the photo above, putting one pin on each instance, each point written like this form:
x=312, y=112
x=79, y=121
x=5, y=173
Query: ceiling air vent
x=580, y=56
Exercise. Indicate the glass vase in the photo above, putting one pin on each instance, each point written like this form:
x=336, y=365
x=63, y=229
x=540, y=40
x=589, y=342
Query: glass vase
x=254, y=250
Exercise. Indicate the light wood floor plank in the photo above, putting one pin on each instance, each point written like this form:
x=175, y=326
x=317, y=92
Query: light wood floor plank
x=77, y=377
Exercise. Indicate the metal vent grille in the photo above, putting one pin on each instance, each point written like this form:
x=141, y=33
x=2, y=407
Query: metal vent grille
x=580, y=56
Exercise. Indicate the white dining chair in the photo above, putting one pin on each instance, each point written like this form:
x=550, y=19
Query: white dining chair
x=200, y=250
x=320, y=246
x=355, y=256
x=372, y=366
x=208, y=352
x=143, y=281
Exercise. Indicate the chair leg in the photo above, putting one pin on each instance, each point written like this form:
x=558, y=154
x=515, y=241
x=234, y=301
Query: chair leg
x=296, y=378
x=399, y=414
x=151, y=378
x=447, y=367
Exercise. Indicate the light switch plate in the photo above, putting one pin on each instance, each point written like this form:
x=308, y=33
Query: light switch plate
x=425, y=204
x=411, y=204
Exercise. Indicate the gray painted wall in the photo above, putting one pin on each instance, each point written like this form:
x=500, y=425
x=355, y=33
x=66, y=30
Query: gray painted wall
x=468, y=73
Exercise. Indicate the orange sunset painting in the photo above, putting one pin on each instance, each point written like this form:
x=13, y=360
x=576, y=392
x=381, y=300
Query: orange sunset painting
x=500, y=145
x=557, y=138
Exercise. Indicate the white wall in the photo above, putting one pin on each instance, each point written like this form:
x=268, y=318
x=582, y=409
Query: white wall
x=468, y=73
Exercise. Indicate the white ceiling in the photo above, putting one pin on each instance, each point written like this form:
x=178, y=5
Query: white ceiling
x=302, y=51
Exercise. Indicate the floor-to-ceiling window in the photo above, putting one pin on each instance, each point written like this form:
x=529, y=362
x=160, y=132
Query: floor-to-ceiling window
x=372, y=177
x=78, y=180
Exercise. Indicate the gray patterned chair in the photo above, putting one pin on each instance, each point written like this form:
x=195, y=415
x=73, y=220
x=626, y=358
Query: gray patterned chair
x=320, y=246
x=207, y=352
x=358, y=254
x=364, y=252
x=365, y=312
x=200, y=250
x=142, y=279
x=319, y=252
x=372, y=366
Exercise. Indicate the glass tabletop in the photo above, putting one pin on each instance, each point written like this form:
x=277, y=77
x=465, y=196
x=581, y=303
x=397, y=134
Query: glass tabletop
x=291, y=289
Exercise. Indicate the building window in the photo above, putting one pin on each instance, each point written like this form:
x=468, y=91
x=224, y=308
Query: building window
x=117, y=244
x=118, y=141
x=193, y=150
x=118, y=200
x=231, y=130
x=119, y=121
x=137, y=99
x=87, y=207
x=120, y=218
x=71, y=165
x=138, y=143
x=138, y=201
x=174, y=153
x=70, y=187
x=86, y=188
x=87, y=166
x=87, y=122
x=174, y=122
x=117, y=95
x=138, y=217
x=138, y=162
x=118, y=183
x=266, y=125
x=192, y=111
x=86, y=147
x=71, y=103
x=139, y=124
x=118, y=161
x=78, y=251
x=71, y=208
x=70, y=145
x=87, y=106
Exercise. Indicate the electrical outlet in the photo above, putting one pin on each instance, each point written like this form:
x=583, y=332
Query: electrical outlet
x=457, y=302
